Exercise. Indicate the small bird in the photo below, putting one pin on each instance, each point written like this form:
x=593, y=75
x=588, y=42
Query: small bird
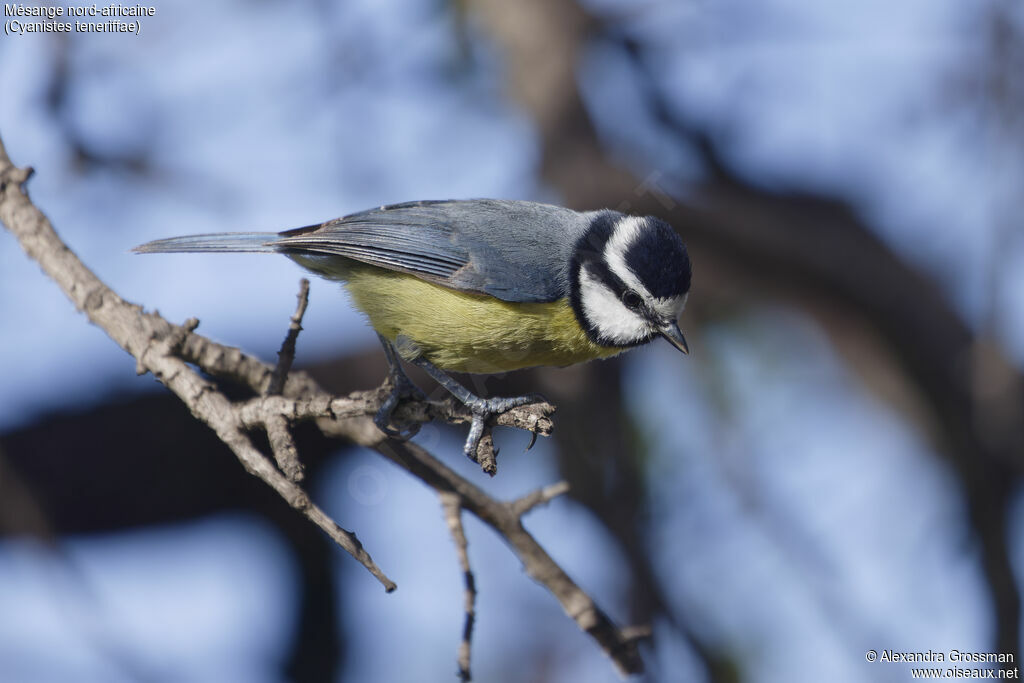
x=487, y=286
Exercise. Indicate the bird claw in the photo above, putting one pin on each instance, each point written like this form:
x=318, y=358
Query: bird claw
x=533, y=440
x=382, y=420
x=401, y=387
x=483, y=409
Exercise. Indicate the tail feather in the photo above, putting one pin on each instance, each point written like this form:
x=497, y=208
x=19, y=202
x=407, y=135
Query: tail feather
x=214, y=242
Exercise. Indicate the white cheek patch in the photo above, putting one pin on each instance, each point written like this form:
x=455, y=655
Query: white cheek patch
x=607, y=314
x=626, y=232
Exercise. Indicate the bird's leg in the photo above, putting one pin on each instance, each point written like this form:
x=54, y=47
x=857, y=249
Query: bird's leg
x=401, y=386
x=481, y=408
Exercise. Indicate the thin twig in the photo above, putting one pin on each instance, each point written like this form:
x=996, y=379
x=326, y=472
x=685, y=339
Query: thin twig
x=286, y=356
x=281, y=442
x=620, y=645
x=451, y=505
x=539, y=497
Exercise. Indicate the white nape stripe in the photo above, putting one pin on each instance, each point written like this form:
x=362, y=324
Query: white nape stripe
x=607, y=314
x=625, y=232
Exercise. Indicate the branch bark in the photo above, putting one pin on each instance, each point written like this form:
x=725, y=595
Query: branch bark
x=166, y=350
x=154, y=342
x=451, y=506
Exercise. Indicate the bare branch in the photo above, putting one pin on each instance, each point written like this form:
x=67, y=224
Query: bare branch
x=281, y=442
x=619, y=644
x=166, y=350
x=283, y=446
x=451, y=505
x=286, y=356
x=153, y=342
x=542, y=496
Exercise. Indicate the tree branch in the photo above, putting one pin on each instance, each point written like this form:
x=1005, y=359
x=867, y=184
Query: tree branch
x=506, y=518
x=286, y=356
x=153, y=342
x=451, y=506
x=539, y=497
x=166, y=350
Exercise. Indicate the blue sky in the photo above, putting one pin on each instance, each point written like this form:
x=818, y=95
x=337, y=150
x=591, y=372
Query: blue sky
x=822, y=517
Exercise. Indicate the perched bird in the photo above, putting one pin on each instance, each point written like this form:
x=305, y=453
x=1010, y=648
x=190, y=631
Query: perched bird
x=487, y=285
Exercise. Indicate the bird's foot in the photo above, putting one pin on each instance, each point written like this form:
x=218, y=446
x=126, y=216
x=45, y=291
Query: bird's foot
x=400, y=387
x=483, y=409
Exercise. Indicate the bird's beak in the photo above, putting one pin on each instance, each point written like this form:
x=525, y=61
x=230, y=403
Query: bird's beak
x=675, y=336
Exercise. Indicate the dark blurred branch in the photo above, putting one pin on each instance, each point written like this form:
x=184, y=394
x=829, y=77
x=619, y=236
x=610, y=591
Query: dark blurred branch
x=20, y=511
x=819, y=245
x=81, y=472
x=541, y=42
x=813, y=249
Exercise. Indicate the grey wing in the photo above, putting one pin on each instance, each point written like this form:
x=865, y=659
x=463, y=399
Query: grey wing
x=512, y=250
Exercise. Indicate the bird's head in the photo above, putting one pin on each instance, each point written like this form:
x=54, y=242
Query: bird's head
x=630, y=276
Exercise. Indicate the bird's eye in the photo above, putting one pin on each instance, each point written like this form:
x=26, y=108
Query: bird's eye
x=631, y=300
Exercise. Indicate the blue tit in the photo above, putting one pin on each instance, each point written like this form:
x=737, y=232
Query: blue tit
x=487, y=286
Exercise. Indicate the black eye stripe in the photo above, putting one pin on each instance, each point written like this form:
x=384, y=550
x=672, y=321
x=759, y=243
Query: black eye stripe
x=599, y=269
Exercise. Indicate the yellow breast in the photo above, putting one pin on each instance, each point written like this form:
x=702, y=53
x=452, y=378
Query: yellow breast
x=469, y=332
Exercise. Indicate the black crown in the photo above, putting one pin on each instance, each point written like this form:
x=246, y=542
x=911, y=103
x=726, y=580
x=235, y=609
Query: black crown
x=659, y=259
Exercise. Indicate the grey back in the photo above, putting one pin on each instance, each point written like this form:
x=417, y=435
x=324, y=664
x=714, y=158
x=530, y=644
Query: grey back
x=513, y=250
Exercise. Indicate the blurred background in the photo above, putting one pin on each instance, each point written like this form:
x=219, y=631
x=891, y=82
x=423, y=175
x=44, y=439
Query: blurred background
x=835, y=468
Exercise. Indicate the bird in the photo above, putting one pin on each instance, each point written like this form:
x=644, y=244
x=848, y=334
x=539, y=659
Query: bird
x=487, y=286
